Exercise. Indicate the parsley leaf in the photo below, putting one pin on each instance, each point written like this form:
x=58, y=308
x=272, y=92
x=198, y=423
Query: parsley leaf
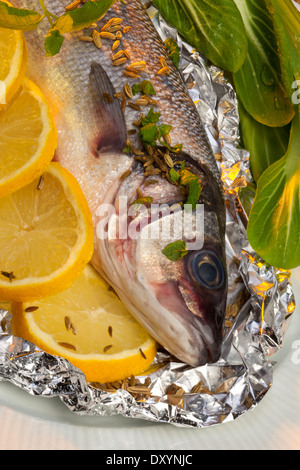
x=175, y=251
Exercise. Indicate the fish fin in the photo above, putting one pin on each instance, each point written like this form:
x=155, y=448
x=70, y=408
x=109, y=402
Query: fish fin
x=111, y=133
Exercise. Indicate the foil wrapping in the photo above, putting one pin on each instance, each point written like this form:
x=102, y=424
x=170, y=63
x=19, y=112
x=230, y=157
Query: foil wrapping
x=260, y=301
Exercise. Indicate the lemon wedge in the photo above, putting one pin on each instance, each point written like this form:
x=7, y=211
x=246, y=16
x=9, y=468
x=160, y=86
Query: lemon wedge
x=28, y=139
x=88, y=325
x=13, y=62
x=46, y=236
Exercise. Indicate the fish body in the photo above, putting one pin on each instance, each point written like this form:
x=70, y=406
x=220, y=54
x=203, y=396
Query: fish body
x=181, y=303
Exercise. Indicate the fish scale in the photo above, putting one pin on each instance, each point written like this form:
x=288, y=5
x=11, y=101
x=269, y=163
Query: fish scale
x=178, y=302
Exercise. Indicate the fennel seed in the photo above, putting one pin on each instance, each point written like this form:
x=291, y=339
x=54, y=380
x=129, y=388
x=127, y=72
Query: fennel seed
x=31, y=309
x=67, y=345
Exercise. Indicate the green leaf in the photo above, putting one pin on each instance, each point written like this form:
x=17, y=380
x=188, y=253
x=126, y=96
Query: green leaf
x=174, y=175
x=214, y=28
x=173, y=51
x=286, y=19
x=83, y=17
x=175, y=251
x=143, y=200
x=149, y=134
x=151, y=118
x=195, y=191
x=17, y=18
x=265, y=144
x=145, y=87
x=258, y=82
x=53, y=42
x=274, y=223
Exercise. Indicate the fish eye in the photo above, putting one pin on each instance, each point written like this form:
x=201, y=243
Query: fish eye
x=208, y=270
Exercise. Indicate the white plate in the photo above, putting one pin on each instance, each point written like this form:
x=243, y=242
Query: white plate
x=37, y=423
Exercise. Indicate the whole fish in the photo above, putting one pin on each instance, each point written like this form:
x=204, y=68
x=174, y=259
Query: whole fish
x=181, y=303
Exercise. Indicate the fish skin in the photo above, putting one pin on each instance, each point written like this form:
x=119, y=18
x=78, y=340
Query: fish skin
x=182, y=314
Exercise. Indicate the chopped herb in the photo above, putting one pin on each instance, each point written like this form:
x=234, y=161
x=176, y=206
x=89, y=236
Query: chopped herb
x=175, y=251
x=173, y=51
x=145, y=87
x=174, y=175
x=126, y=149
x=195, y=191
x=151, y=118
x=143, y=200
x=149, y=134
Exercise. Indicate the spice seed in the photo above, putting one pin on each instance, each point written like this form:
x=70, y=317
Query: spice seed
x=86, y=39
x=115, y=45
x=97, y=39
x=117, y=55
x=143, y=354
x=31, y=309
x=67, y=346
x=107, y=348
x=73, y=5
x=130, y=74
x=128, y=90
x=118, y=62
x=40, y=183
x=164, y=71
x=125, y=175
x=110, y=331
x=108, y=98
x=68, y=323
x=107, y=35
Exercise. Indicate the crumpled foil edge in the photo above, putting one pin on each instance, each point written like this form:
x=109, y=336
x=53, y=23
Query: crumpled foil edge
x=261, y=302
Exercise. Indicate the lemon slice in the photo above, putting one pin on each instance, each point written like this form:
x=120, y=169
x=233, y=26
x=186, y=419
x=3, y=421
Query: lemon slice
x=46, y=236
x=5, y=306
x=13, y=62
x=88, y=325
x=28, y=139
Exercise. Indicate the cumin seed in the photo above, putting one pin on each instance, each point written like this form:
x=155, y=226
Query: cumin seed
x=107, y=35
x=115, y=45
x=142, y=353
x=86, y=39
x=130, y=74
x=164, y=71
x=40, y=183
x=67, y=345
x=134, y=106
x=31, y=309
x=119, y=62
x=128, y=90
x=125, y=175
x=97, y=39
x=73, y=5
x=68, y=323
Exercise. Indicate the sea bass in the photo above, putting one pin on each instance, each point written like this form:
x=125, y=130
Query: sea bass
x=100, y=120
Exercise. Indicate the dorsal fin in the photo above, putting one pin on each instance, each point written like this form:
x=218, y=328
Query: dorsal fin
x=111, y=126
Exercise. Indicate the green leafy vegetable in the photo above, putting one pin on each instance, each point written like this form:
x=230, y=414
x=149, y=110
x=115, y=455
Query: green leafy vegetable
x=214, y=28
x=265, y=144
x=18, y=18
x=258, y=82
x=274, y=224
x=286, y=19
x=175, y=251
x=53, y=42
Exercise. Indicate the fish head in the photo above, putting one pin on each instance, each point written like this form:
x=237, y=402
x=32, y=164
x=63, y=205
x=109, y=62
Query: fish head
x=181, y=303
